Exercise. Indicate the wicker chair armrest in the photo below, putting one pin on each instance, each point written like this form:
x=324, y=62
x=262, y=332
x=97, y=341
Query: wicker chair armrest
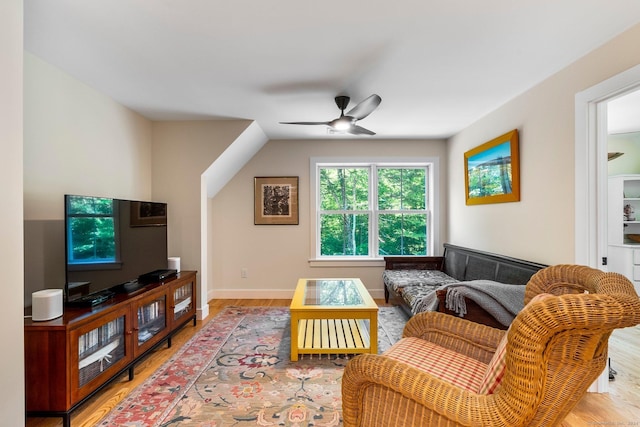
x=457, y=334
x=434, y=395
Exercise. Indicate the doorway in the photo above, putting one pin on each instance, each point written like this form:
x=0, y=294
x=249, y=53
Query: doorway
x=591, y=173
x=591, y=168
x=623, y=221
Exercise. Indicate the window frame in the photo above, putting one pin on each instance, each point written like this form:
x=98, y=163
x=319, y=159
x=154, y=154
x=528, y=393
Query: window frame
x=432, y=208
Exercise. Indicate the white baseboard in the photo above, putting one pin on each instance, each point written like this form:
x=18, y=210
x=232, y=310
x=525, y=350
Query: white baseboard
x=377, y=293
x=250, y=294
x=265, y=293
x=202, y=312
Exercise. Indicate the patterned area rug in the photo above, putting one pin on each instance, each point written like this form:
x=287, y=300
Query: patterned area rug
x=236, y=372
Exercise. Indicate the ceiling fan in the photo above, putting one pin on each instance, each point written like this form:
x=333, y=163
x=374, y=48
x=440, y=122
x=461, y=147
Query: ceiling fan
x=347, y=122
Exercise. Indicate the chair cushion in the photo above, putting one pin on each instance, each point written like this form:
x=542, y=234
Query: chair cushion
x=495, y=370
x=447, y=365
x=496, y=367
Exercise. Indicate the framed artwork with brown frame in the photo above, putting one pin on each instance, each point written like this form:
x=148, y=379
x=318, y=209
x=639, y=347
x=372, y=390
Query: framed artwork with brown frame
x=148, y=214
x=492, y=171
x=276, y=200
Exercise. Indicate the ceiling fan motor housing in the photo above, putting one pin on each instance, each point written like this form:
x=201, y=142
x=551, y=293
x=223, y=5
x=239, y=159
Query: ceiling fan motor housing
x=342, y=101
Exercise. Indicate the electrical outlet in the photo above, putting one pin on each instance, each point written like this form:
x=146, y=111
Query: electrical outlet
x=244, y=273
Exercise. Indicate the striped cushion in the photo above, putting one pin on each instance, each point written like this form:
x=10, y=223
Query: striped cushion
x=497, y=365
x=454, y=368
x=495, y=369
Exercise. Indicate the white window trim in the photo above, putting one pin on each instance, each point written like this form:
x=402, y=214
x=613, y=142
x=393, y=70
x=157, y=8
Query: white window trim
x=373, y=261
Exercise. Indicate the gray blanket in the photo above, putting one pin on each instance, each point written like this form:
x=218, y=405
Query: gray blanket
x=502, y=301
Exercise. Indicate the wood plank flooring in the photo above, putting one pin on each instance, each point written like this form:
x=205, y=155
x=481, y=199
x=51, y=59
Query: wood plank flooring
x=620, y=407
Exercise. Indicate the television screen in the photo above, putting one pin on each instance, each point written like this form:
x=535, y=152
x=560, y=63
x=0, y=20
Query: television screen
x=111, y=242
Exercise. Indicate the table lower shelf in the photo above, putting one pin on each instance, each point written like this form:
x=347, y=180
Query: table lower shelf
x=333, y=336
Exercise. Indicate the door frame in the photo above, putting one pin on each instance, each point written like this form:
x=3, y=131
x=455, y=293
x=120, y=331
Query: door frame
x=591, y=164
x=590, y=151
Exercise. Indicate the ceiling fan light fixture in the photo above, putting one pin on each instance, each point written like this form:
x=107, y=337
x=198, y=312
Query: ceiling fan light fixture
x=347, y=123
x=343, y=123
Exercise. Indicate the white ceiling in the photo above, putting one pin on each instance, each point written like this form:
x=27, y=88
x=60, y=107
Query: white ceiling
x=439, y=65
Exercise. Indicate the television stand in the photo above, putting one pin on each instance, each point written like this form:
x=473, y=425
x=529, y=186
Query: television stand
x=70, y=359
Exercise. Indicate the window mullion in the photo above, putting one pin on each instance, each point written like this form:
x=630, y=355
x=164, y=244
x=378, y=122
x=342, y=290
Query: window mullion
x=373, y=216
x=318, y=230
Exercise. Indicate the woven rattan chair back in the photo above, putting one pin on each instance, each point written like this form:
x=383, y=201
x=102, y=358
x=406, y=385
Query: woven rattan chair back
x=562, y=342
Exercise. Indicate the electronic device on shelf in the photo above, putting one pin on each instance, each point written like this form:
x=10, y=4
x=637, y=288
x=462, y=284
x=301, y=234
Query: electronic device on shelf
x=110, y=243
x=157, y=276
x=92, y=299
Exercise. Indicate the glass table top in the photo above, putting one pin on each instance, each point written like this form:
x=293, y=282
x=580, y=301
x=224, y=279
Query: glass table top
x=332, y=292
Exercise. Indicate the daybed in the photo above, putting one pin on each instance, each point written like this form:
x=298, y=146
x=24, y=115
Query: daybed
x=447, y=371
x=480, y=286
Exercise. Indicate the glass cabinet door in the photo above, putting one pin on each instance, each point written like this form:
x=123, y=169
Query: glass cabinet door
x=100, y=348
x=151, y=318
x=182, y=301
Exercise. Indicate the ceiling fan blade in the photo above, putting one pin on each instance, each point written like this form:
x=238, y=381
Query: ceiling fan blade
x=365, y=108
x=304, y=123
x=359, y=130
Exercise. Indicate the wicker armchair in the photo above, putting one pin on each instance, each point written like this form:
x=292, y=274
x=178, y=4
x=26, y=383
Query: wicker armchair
x=555, y=350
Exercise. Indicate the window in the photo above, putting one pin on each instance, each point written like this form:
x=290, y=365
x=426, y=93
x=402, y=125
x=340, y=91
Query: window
x=402, y=211
x=374, y=209
x=92, y=230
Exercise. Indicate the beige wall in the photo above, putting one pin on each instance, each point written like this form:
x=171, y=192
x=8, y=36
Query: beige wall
x=182, y=152
x=76, y=141
x=276, y=256
x=11, y=242
x=79, y=141
x=541, y=226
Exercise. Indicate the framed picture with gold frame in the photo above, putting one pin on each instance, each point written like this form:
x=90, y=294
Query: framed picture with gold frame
x=492, y=171
x=276, y=200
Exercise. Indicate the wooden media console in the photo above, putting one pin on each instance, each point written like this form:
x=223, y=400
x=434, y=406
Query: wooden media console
x=69, y=359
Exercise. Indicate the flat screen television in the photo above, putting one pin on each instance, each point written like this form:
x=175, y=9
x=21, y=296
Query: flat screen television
x=110, y=243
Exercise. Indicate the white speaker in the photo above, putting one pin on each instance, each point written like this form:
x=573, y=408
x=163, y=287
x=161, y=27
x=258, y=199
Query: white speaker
x=46, y=304
x=174, y=263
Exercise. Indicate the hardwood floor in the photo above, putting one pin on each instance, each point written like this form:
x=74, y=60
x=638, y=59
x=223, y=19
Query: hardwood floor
x=620, y=407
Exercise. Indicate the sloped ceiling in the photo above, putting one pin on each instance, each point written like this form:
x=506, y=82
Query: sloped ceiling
x=439, y=65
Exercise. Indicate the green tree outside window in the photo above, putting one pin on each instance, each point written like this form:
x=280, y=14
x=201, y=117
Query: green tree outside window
x=386, y=203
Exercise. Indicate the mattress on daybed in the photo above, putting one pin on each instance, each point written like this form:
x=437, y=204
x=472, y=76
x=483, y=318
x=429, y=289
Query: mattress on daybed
x=415, y=285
